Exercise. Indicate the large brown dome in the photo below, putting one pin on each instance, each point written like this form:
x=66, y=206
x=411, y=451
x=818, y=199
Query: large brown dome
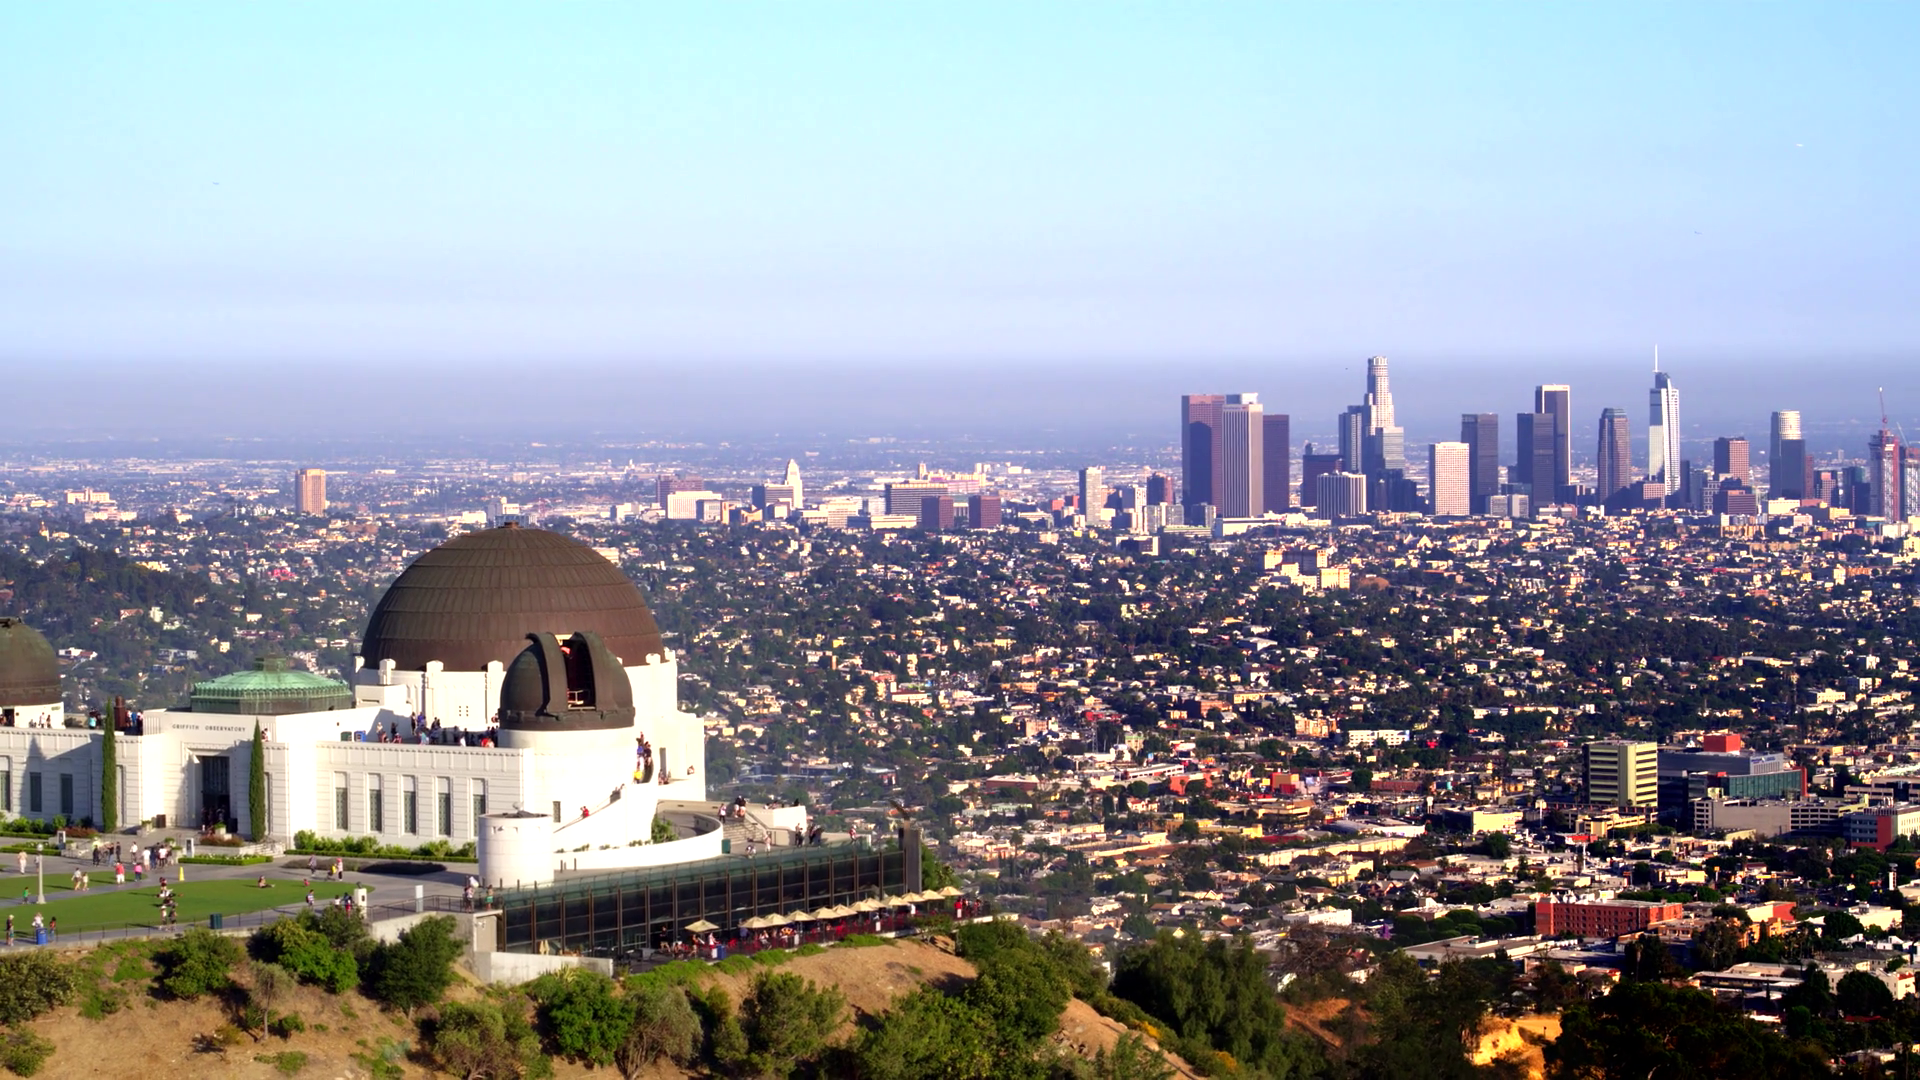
x=474, y=600
x=29, y=671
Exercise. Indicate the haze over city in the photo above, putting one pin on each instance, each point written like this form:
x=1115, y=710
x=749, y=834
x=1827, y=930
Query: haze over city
x=989, y=219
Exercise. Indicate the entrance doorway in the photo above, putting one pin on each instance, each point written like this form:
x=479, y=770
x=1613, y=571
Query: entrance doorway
x=216, y=792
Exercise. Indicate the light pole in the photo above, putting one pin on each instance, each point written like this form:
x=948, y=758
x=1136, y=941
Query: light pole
x=40, y=872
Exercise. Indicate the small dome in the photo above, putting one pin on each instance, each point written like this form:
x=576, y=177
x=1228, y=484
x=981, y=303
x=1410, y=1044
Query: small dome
x=29, y=670
x=270, y=689
x=474, y=599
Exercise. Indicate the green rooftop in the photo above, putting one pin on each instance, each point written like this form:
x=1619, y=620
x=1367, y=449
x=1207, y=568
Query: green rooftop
x=270, y=689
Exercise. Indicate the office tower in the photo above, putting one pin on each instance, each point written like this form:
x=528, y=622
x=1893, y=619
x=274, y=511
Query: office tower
x=1734, y=498
x=1341, y=494
x=1200, y=447
x=1312, y=467
x=1883, y=476
x=666, y=486
x=1624, y=774
x=1481, y=433
x=1613, y=458
x=1448, y=477
x=1242, y=490
x=936, y=513
x=1788, y=475
x=310, y=491
x=1557, y=399
x=983, y=511
x=1910, y=481
x=1353, y=436
x=1159, y=490
x=1826, y=487
x=794, y=483
x=1663, y=431
x=765, y=495
x=1533, y=464
x=1385, y=446
x=1276, y=468
x=1093, y=492
x=1731, y=458
x=903, y=496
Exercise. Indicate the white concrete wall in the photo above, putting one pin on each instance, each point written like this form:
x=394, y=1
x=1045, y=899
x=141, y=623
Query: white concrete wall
x=504, y=772
x=704, y=846
x=51, y=753
x=512, y=969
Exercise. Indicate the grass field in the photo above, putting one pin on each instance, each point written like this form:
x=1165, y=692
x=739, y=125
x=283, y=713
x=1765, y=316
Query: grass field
x=110, y=908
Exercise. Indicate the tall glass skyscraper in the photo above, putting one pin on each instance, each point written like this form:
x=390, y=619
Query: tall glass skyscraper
x=1613, y=457
x=1481, y=433
x=1557, y=399
x=1787, y=458
x=1663, y=432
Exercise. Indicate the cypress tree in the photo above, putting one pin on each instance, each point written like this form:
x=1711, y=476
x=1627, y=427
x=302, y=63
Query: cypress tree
x=257, y=786
x=109, y=780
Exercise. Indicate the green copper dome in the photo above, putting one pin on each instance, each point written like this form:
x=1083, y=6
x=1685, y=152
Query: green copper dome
x=270, y=689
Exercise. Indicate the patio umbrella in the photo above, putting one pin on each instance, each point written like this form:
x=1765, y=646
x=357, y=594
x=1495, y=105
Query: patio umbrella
x=895, y=901
x=799, y=916
x=841, y=911
x=949, y=891
x=700, y=926
x=868, y=904
x=828, y=912
x=924, y=897
x=755, y=923
x=773, y=920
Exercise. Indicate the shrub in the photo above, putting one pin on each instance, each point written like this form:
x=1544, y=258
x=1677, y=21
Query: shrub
x=226, y=860
x=287, y=1026
x=664, y=1026
x=23, y=1052
x=418, y=968
x=483, y=1040
x=581, y=1016
x=287, y=1061
x=787, y=1020
x=32, y=984
x=200, y=962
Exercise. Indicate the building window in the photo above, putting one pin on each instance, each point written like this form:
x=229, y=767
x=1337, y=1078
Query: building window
x=376, y=811
x=444, y=811
x=66, y=795
x=6, y=785
x=340, y=801
x=556, y=810
x=33, y=796
x=410, y=807
x=262, y=827
x=479, y=804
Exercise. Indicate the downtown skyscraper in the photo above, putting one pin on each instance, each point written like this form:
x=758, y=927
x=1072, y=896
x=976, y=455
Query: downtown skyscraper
x=1481, y=433
x=1788, y=475
x=1448, y=473
x=1200, y=448
x=1613, y=456
x=1663, y=432
x=1243, y=427
x=1556, y=400
x=1385, y=444
x=1884, y=487
x=1224, y=458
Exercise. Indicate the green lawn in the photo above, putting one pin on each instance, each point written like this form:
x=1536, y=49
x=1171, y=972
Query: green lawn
x=114, y=908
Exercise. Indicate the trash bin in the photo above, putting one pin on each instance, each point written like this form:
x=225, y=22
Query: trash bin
x=726, y=846
x=216, y=921
x=40, y=936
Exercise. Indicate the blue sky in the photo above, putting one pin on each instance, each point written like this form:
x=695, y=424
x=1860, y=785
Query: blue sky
x=950, y=183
